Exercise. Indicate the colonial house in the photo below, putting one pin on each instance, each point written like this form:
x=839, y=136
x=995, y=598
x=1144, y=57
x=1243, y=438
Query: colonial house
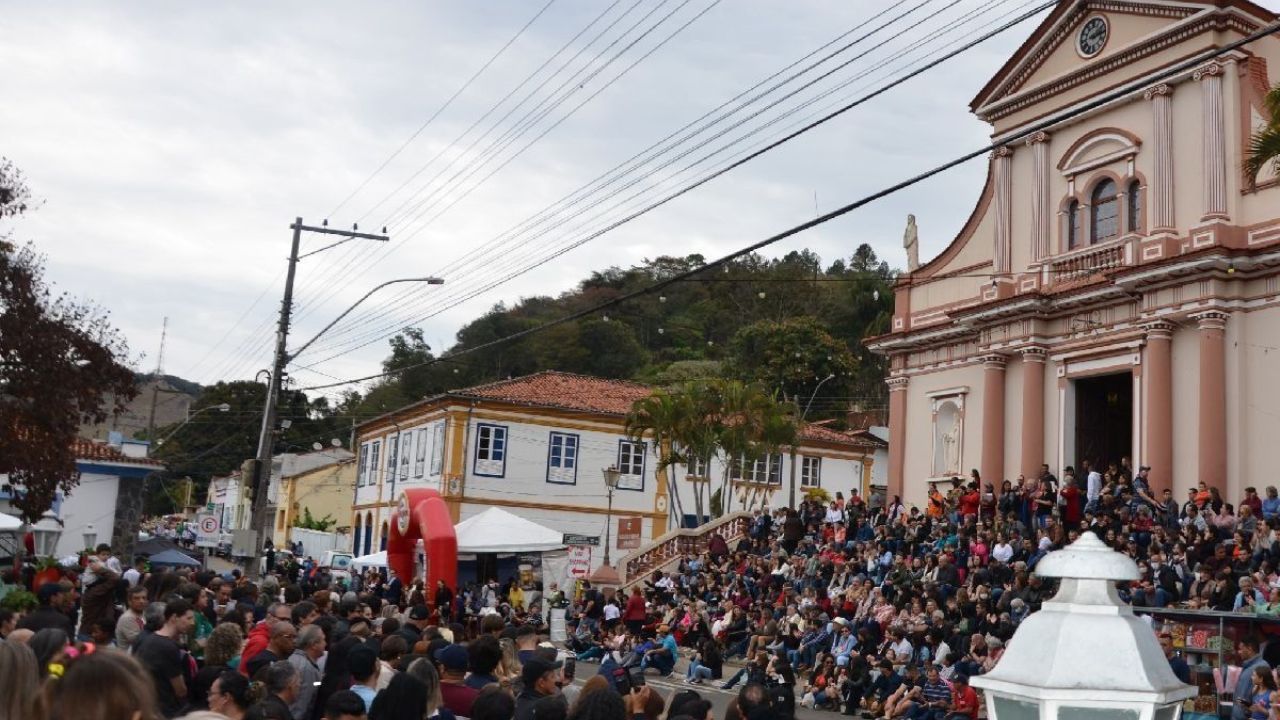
x=323, y=492
x=90, y=511
x=1115, y=292
x=537, y=445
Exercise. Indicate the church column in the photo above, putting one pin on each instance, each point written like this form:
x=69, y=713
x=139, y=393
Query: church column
x=1160, y=191
x=897, y=433
x=1033, y=364
x=1212, y=439
x=1003, y=159
x=1214, y=129
x=1158, y=374
x=1040, y=212
x=992, y=463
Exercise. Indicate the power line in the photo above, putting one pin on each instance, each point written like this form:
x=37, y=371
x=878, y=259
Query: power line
x=1120, y=93
x=619, y=172
x=737, y=163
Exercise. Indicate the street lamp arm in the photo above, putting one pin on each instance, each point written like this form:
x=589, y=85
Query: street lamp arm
x=814, y=395
x=326, y=328
x=224, y=407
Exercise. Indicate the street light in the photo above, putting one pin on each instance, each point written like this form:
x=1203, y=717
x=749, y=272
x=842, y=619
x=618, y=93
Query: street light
x=90, y=536
x=1084, y=654
x=428, y=280
x=803, y=415
x=611, y=478
x=224, y=407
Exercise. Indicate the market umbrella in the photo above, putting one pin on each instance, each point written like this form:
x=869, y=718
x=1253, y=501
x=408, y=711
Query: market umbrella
x=173, y=558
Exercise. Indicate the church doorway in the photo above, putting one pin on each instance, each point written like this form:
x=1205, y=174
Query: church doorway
x=1103, y=419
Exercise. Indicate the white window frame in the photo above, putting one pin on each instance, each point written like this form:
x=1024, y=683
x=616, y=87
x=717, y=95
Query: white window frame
x=420, y=453
x=631, y=457
x=393, y=455
x=698, y=467
x=437, y=449
x=362, y=467
x=375, y=450
x=563, y=470
x=406, y=449
x=810, y=471
x=491, y=450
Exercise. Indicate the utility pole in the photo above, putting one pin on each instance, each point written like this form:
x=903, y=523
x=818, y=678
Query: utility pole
x=263, y=514
x=155, y=390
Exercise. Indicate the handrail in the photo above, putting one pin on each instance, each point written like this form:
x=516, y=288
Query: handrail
x=677, y=543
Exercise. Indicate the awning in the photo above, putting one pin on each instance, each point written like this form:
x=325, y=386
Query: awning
x=9, y=523
x=498, y=531
x=375, y=560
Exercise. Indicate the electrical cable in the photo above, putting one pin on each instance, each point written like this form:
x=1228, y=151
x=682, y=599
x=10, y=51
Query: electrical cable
x=757, y=153
x=1120, y=93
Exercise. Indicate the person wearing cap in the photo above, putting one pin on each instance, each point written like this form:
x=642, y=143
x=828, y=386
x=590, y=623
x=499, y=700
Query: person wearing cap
x=663, y=655
x=964, y=701
x=52, y=613
x=540, y=678
x=845, y=644
x=456, y=696
x=418, y=619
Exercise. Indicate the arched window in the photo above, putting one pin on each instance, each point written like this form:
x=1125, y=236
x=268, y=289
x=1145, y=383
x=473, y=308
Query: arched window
x=368, y=533
x=1105, y=212
x=1073, y=225
x=355, y=547
x=382, y=543
x=1134, y=201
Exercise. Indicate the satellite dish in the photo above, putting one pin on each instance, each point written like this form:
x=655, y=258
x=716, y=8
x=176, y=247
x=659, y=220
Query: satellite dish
x=335, y=442
x=316, y=446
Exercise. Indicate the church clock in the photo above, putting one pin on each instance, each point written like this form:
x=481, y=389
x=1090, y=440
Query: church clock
x=1093, y=36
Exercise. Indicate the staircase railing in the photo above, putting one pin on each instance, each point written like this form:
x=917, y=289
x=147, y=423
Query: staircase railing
x=669, y=548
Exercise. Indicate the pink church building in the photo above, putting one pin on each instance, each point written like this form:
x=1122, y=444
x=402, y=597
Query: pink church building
x=1116, y=290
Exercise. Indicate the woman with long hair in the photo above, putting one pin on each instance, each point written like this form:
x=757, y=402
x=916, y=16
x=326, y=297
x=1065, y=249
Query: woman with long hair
x=425, y=672
x=404, y=699
x=103, y=685
x=50, y=647
x=19, y=682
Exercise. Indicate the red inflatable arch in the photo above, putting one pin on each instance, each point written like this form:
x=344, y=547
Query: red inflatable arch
x=421, y=514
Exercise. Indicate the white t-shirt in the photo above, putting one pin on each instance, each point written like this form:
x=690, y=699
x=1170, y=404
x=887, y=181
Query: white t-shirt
x=611, y=612
x=1002, y=552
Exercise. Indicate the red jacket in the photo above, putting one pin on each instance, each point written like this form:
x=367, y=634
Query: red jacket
x=635, y=609
x=259, y=638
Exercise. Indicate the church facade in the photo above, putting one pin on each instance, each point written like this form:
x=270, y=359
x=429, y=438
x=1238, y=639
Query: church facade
x=1115, y=293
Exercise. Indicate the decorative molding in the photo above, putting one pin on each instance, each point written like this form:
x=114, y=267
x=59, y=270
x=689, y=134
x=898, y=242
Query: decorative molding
x=1003, y=161
x=1159, y=330
x=1034, y=354
x=1155, y=91
x=1211, y=320
x=1040, y=211
x=897, y=384
x=1002, y=152
x=1037, y=138
x=995, y=361
x=1212, y=69
x=960, y=390
x=1019, y=99
x=1161, y=191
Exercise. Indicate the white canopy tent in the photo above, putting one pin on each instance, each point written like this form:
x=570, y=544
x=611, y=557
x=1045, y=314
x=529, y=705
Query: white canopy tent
x=374, y=560
x=9, y=523
x=498, y=531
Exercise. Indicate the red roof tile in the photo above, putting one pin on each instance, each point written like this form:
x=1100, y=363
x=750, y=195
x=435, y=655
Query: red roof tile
x=563, y=390
x=91, y=450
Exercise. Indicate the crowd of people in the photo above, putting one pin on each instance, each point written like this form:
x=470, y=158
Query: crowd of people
x=858, y=606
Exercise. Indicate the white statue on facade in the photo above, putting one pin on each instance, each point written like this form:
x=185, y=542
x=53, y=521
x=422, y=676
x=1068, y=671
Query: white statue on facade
x=951, y=449
x=911, y=241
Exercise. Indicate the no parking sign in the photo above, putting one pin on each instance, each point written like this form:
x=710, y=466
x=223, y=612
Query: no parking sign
x=207, y=527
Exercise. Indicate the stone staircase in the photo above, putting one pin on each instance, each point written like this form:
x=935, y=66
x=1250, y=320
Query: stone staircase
x=664, y=552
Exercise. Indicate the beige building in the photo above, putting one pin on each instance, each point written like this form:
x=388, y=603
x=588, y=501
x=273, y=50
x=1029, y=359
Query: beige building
x=1114, y=293
x=324, y=491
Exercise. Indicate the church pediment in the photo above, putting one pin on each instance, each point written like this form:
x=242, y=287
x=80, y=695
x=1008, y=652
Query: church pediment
x=1083, y=38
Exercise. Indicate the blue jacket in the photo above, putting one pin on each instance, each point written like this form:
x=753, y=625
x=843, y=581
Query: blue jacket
x=1244, y=686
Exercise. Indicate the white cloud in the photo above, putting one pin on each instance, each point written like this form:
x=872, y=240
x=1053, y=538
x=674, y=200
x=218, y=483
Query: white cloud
x=173, y=146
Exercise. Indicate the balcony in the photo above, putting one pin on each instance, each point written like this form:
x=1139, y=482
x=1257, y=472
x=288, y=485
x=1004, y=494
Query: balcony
x=1091, y=260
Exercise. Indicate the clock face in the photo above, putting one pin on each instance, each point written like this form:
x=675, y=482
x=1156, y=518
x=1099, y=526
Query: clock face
x=1093, y=36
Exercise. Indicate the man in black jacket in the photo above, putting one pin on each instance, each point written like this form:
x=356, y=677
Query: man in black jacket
x=541, y=678
x=54, y=603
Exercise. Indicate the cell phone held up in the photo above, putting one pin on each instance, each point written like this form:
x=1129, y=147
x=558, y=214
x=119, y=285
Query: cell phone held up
x=628, y=679
x=570, y=668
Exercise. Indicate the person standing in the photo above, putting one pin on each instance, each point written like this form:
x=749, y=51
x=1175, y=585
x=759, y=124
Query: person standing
x=166, y=662
x=541, y=679
x=129, y=626
x=54, y=603
x=308, y=650
x=1249, y=649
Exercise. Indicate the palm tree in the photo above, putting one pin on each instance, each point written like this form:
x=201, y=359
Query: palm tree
x=1264, y=146
x=700, y=437
x=662, y=417
x=778, y=428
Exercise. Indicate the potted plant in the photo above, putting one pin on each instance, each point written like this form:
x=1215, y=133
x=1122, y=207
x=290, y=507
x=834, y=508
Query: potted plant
x=47, y=571
x=20, y=601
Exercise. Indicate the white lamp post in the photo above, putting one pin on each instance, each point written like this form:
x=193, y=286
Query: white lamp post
x=90, y=536
x=1085, y=655
x=611, y=478
x=46, y=534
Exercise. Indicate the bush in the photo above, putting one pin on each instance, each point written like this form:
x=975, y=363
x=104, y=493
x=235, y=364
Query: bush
x=20, y=601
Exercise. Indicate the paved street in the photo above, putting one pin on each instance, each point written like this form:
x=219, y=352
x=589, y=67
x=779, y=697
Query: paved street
x=720, y=699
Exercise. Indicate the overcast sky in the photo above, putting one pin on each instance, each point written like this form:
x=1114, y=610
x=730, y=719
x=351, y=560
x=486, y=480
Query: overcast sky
x=172, y=148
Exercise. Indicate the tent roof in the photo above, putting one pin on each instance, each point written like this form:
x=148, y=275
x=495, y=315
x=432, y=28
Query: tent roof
x=9, y=522
x=498, y=531
x=173, y=557
x=378, y=559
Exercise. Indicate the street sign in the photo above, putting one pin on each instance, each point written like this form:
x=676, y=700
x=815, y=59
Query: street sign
x=579, y=561
x=629, y=531
x=592, y=540
x=207, y=528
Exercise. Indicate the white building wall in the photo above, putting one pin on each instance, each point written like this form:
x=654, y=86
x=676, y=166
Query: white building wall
x=92, y=502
